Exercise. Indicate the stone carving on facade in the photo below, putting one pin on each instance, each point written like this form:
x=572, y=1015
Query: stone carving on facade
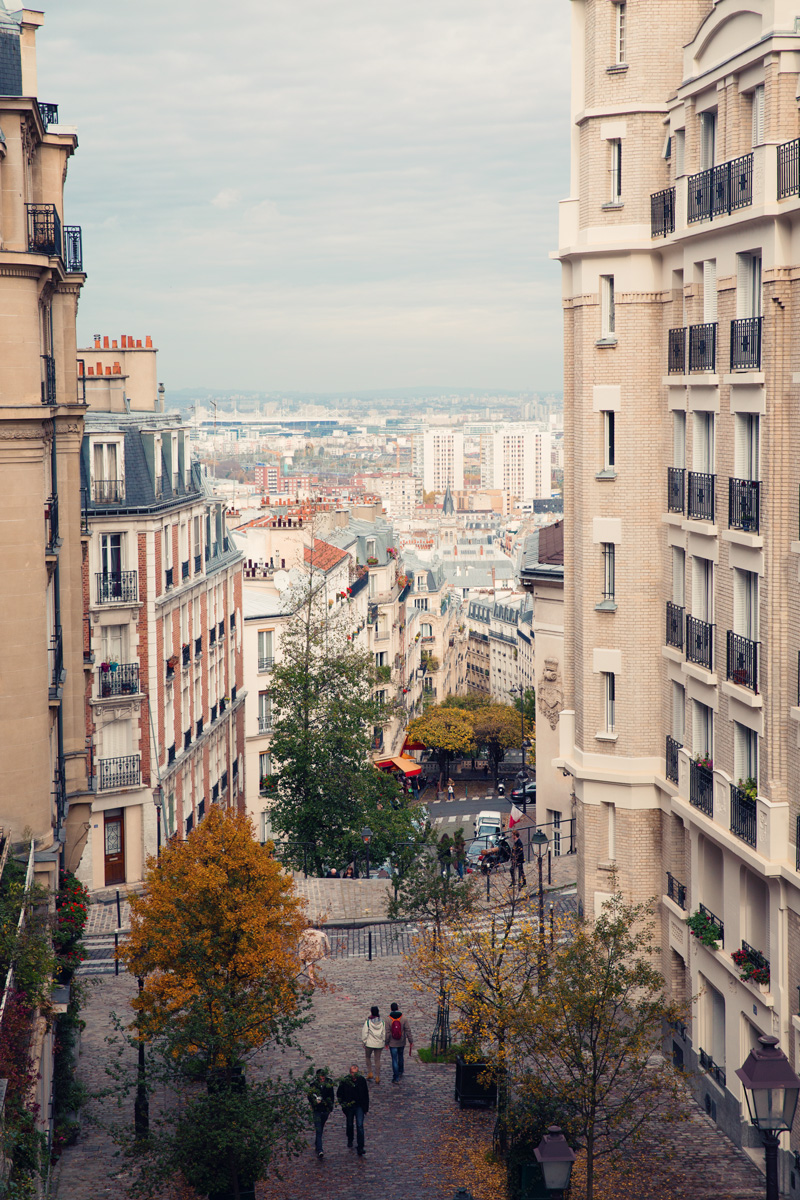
x=106, y=714
x=551, y=695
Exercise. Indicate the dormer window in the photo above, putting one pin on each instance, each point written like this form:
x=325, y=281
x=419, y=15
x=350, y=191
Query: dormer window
x=371, y=548
x=108, y=481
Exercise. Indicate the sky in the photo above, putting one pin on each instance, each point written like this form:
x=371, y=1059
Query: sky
x=319, y=195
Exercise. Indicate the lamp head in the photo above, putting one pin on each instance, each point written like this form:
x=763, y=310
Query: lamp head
x=771, y=1087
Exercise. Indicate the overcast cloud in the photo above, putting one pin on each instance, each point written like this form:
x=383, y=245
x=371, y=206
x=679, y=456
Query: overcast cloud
x=319, y=194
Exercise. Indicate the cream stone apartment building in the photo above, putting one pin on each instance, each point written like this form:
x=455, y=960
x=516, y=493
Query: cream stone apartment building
x=680, y=250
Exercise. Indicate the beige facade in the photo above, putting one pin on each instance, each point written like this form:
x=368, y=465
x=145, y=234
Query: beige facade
x=680, y=246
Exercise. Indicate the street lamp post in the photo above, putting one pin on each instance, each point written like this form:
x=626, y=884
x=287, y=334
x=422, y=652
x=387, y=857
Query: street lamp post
x=366, y=837
x=555, y=1157
x=771, y=1089
x=521, y=691
x=540, y=841
x=158, y=800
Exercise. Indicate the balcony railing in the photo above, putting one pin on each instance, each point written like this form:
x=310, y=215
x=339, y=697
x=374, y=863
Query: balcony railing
x=120, y=588
x=119, y=772
x=744, y=507
x=699, y=642
x=171, y=754
x=676, y=489
x=674, y=632
x=186, y=654
x=51, y=524
x=716, y=1072
x=676, y=891
x=746, y=344
x=264, y=723
x=743, y=815
x=122, y=680
x=222, y=706
x=199, y=727
x=743, y=661
x=73, y=248
x=108, y=491
x=758, y=960
x=673, y=747
x=198, y=646
x=715, y=920
x=703, y=347
x=701, y=788
x=198, y=563
x=700, y=496
x=266, y=664
x=168, y=577
x=662, y=212
x=185, y=569
x=789, y=169
x=720, y=190
x=44, y=229
x=676, y=351
x=48, y=379
x=187, y=738
x=48, y=113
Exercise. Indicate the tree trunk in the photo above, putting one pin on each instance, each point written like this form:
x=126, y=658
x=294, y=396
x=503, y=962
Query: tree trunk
x=590, y=1165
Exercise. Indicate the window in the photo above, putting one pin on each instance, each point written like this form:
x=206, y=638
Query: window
x=264, y=765
x=609, y=457
x=712, y=1036
x=678, y=576
x=703, y=589
x=679, y=439
x=381, y=658
x=703, y=447
x=708, y=139
x=710, y=290
x=621, y=33
x=371, y=548
x=703, y=730
x=111, y=554
x=421, y=603
x=678, y=712
x=610, y=699
x=745, y=604
x=758, y=115
x=167, y=547
x=615, y=145
x=106, y=473
x=748, y=285
x=608, y=570
x=426, y=630
x=746, y=445
x=264, y=712
x=607, y=323
x=113, y=639
x=745, y=753
x=264, y=649
x=680, y=151
x=611, y=829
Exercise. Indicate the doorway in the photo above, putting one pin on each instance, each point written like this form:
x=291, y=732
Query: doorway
x=114, y=846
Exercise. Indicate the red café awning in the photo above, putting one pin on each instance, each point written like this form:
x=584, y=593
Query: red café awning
x=410, y=744
x=399, y=763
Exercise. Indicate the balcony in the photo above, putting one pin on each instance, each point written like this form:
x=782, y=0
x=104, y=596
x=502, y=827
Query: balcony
x=48, y=379
x=720, y=925
x=701, y=789
x=119, y=588
x=676, y=489
x=198, y=563
x=703, y=347
x=185, y=569
x=743, y=661
x=676, y=351
x=743, y=815
x=119, y=772
x=108, y=491
x=120, y=679
x=744, y=504
x=699, y=642
x=676, y=891
x=187, y=738
x=186, y=654
x=221, y=630
x=222, y=706
x=44, y=230
x=199, y=728
x=172, y=663
x=672, y=758
x=752, y=964
x=198, y=646
x=212, y=636
x=168, y=577
x=720, y=190
x=266, y=664
x=789, y=169
x=700, y=496
x=51, y=524
x=716, y=1072
x=73, y=249
x=265, y=723
x=213, y=713
x=662, y=212
x=171, y=754
x=48, y=113
x=201, y=810
x=223, y=781
x=746, y=344
x=674, y=631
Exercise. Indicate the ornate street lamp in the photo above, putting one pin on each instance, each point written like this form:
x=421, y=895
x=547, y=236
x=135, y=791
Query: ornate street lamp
x=555, y=1158
x=158, y=800
x=366, y=837
x=771, y=1089
x=523, y=774
x=540, y=841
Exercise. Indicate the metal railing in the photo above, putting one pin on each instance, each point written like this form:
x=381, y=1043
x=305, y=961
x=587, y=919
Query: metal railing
x=198, y=646
x=48, y=379
x=700, y=498
x=119, y=772
x=746, y=344
x=44, y=229
x=743, y=661
x=48, y=113
x=662, y=212
x=676, y=351
x=720, y=190
x=674, y=631
x=186, y=654
x=171, y=752
x=168, y=577
x=73, y=248
x=715, y=920
x=744, y=504
x=699, y=642
x=676, y=489
x=199, y=728
x=108, y=491
x=51, y=524
x=759, y=960
x=185, y=569
x=701, y=789
x=198, y=563
x=671, y=756
x=676, y=891
x=187, y=738
x=703, y=346
x=121, y=588
x=789, y=169
x=122, y=680
x=264, y=724
x=743, y=815
x=56, y=662
x=266, y=664
x=716, y=1072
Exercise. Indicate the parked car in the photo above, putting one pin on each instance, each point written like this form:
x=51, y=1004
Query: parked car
x=488, y=821
x=528, y=791
x=478, y=848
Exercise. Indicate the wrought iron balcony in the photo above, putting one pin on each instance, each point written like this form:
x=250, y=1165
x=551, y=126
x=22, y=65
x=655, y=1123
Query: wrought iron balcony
x=223, y=781
x=56, y=663
x=699, y=642
x=119, y=680
x=119, y=588
x=662, y=212
x=171, y=754
x=700, y=496
x=701, y=790
x=264, y=723
x=108, y=491
x=73, y=249
x=185, y=569
x=221, y=630
x=187, y=738
x=212, y=636
x=266, y=664
x=44, y=229
x=198, y=646
x=703, y=347
x=51, y=524
x=744, y=507
x=676, y=891
x=720, y=925
x=676, y=489
x=119, y=772
x=672, y=758
x=168, y=577
x=213, y=713
x=720, y=190
x=789, y=169
x=716, y=1072
x=48, y=379
x=186, y=654
x=743, y=815
x=743, y=661
x=676, y=351
x=746, y=344
x=674, y=632
x=199, y=728
x=215, y=793
x=757, y=959
x=198, y=563
x=48, y=113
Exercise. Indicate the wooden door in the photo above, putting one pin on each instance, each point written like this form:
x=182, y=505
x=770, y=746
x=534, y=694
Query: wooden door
x=114, y=846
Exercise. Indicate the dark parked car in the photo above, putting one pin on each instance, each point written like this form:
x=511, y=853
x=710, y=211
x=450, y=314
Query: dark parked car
x=529, y=793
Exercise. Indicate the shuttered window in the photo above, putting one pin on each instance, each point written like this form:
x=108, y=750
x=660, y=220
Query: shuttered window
x=758, y=115
x=708, y=139
x=710, y=290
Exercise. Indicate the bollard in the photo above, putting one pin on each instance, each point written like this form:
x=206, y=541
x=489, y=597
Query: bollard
x=116, y=948
x=549, y=866
x=369, y=944
x=488, y=876
x=119, y=912
x=552, y=931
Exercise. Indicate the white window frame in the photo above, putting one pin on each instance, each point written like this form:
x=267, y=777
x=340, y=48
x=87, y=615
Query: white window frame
x=708, y=139
x=607, y=307
x=758, y=115
x=620, y=34
x=609, y=701
x=609, y=440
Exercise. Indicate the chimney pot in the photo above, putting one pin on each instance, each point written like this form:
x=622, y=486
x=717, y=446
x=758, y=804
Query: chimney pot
x=108, y=370
x=148, y=341
x=114, y=345
x=91, y=370
x=99, y=368
x=105, y=343
x=138, y=343
x=97, y=341
x=117, y=369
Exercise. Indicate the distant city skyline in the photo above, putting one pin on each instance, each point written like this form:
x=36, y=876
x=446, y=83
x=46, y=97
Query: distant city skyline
x=344, y=198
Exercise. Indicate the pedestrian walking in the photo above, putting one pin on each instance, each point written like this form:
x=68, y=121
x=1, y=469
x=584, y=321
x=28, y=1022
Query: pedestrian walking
x=321, y=1100
x=460, y=852
x=443, y=852
x=373, y=1035
x=518, y=859
x=398, y=1036
x=353, y=1095
x=451, y=791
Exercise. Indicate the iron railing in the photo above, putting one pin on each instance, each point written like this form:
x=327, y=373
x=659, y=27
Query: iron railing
x=746, y=344
x=186, y=653
x=168, y=577
x=789, y=169
x=703, y=346
x=120, y=680
x=119, y=588
x=716, y=1072
x=56, y=662
x=199, y=728
x=185, y=569
x=171, y=752
x=715, y=920
x=743, y=661
x=119, y=772
x=743, y=815
x=700, y=496
x=676, y=891
x=674, y=632
x=264, y=723
x=720, y=190
x=44, y=229
x=676, y=489
x=701, y=788
x=198, y=563
x=73, y=248
x=759, y=960
x=266, y=664
x=676, y=351
x=48, y=113
x=744, y=504
x=699, y=642
x=673, y=747
x=198, y=646
x=108, y=491
x=51, y=523
x=187, y=738
x=48, y=379
x=662, y=212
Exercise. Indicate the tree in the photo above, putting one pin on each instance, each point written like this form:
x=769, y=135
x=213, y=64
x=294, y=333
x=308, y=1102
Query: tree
x=497, y=728
x=445, y=730
x=470, y=702
x=592, y=1036
x=528, y=706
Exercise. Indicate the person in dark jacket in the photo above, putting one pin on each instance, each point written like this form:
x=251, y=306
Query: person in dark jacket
x=518, y=859
x=321, y=1100
x=353, y=1095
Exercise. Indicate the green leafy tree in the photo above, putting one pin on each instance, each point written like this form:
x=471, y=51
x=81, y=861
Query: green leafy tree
x=469, y=703
x=446, y=730
x=497, y=728
x=528, y=706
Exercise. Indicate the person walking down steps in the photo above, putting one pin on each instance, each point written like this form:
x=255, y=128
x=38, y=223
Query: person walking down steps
x=353, y=1095
x=321, y=1100
x=398, y=1035
x=373, y=1035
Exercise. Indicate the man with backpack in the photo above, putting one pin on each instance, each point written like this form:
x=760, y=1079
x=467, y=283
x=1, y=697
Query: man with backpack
x=398, y=1034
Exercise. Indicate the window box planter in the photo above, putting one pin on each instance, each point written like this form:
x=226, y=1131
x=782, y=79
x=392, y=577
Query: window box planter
x=471, y=1086
x=705, y=929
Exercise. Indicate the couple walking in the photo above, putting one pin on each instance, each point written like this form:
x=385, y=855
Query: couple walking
x=394, y=1033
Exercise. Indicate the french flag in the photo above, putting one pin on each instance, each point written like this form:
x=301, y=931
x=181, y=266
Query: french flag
x=515, y=816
